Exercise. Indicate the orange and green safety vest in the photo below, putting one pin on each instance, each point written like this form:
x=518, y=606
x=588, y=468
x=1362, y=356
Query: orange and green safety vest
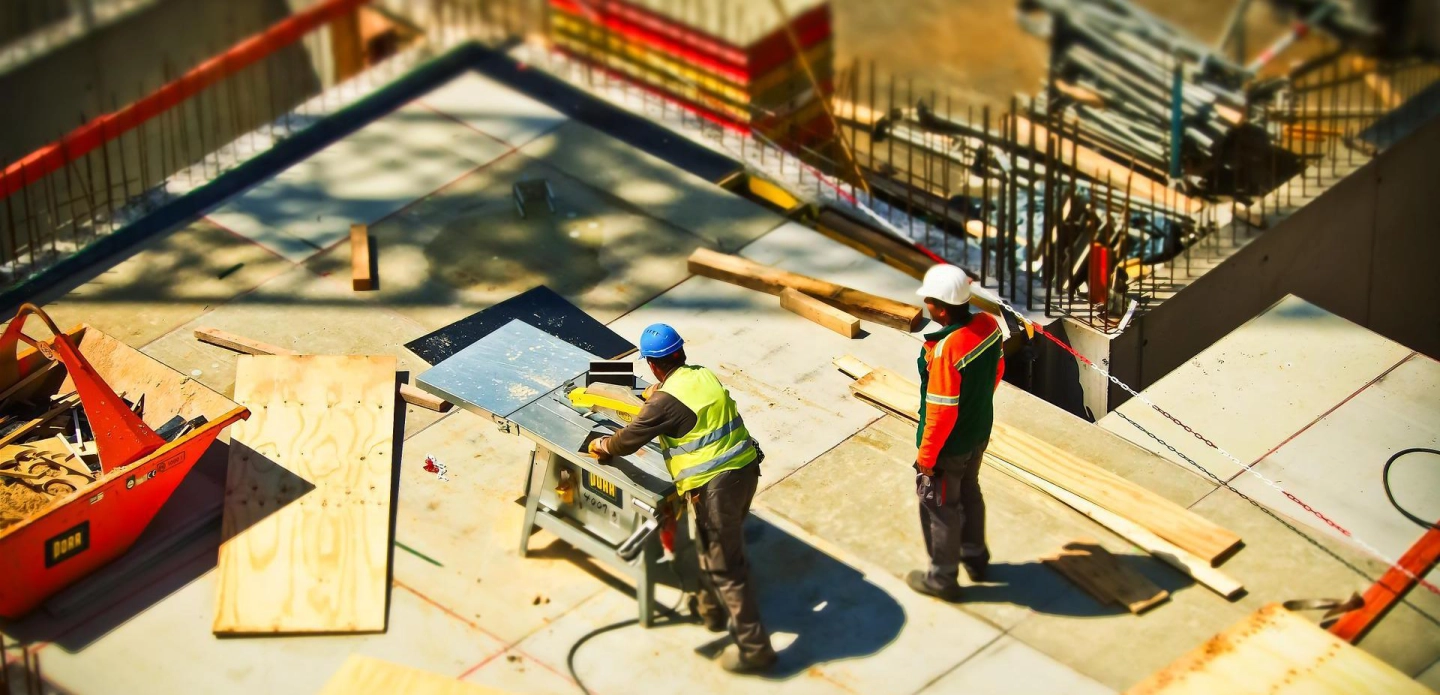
x=960, y=368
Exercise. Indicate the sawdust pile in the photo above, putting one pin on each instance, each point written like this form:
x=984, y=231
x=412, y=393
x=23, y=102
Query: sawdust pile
x=18, y=502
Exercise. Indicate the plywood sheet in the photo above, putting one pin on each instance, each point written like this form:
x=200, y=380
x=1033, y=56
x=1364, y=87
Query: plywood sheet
x=306, y=533
x=364, y=675
x=1276, y=652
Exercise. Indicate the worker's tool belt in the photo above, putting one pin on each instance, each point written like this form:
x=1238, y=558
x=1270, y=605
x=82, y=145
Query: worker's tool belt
x=719, y=441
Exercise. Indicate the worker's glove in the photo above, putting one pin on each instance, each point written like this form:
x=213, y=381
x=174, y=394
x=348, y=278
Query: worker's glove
x=597, y=448
x=925, y=487
x=649, y=392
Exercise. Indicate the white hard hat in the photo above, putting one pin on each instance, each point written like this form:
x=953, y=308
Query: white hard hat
x=946, y=283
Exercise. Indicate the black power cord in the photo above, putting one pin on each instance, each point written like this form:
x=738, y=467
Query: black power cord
x=673, y=612
x=1385, y=477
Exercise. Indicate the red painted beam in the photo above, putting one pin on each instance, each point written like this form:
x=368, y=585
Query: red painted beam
x=1392, y=587
x=102, y=129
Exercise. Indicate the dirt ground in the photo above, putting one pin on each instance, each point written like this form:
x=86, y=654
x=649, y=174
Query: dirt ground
x=977, y=53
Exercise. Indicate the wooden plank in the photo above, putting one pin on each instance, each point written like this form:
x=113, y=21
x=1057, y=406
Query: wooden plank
x=1174, y=523
x=1391, y=588
x=1161, y=549
x=763, y=278
x=361, y=277
x=306, y=532
x=851, y=366
x=1103, y=576
x=819, y=312
x=1170, y=521
x=230, y=341
x=1276, y=652
x=364, y=675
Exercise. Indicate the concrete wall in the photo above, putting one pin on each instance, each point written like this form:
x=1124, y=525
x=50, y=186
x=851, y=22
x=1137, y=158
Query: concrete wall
x=1366, y=250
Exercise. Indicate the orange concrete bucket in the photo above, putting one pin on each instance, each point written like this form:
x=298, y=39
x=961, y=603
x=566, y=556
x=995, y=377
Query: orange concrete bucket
x=78, y=527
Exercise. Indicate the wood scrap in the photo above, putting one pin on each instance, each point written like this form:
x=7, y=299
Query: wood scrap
x=819, y=312
x=1101, y=575
x=22, y=389
x=60, y=405
x=306, y=532
x=763, y=278
x=1170, y=521
x=364, y=675
x=1163, y=550
x=360, y=276
x=230, y=341
x=1276, y=651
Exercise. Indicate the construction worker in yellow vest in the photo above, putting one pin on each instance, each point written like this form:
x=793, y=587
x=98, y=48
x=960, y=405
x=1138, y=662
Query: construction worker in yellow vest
x=960, y=368
x=716, y=465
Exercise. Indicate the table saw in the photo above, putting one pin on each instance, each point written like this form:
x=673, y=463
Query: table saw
x=521, y=377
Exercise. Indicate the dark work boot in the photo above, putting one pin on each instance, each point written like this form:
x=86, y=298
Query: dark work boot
x=920, y=581
x=975, y=567
x=732, y=661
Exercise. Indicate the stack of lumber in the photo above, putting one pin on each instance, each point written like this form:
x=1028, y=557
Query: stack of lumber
x=1173, y=534
x=306, y=534
x=825, y=303
x=731, y=62
x=1275, y=652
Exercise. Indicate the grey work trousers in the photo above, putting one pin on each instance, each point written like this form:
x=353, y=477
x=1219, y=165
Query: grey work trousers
x=952, y=514
x=720, y=507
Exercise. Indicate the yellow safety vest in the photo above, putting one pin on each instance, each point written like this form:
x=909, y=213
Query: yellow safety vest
x=718, y=443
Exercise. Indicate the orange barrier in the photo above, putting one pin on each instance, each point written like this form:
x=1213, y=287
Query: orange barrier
x=102, y=129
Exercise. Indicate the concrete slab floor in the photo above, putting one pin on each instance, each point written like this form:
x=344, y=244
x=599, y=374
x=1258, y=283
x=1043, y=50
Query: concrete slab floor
x=662, y=190
x=1008, y=667
x=775, y=364
x=494, y=109
x=362, y=177
x=148, y=291
x=465, y=247
x=1338, y=463
x=1293, y=363
x=839, y=627
x=1279, y=564
x=301, y=311
x=873, y=471
x=468, y=530
x=419, y=634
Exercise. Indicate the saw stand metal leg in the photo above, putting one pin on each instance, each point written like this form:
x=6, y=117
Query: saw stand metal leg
x=534, y=484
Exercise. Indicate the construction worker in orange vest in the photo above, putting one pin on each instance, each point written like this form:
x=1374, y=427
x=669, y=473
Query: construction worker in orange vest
x=960, y=368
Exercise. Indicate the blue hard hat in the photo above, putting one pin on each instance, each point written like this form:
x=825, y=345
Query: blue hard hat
x=659, y=340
